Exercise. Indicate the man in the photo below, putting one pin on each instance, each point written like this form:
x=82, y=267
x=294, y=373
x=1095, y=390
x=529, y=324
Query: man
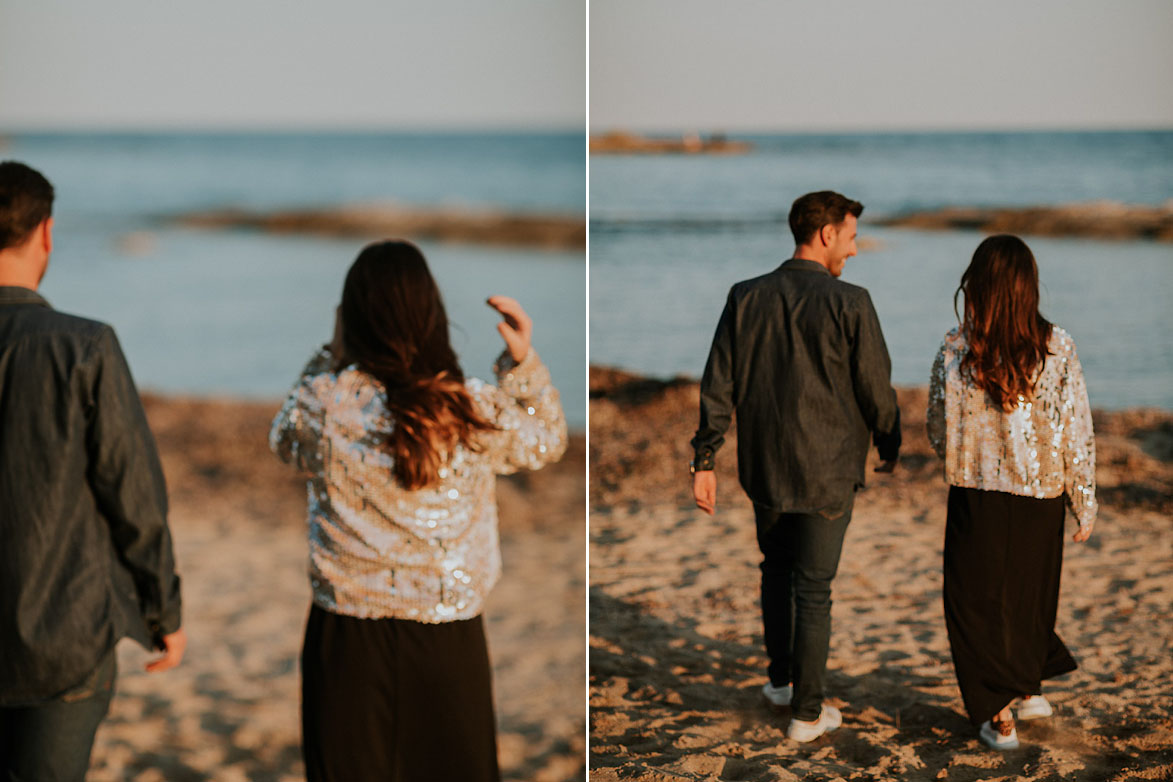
x=85, y=551
x=800, y=356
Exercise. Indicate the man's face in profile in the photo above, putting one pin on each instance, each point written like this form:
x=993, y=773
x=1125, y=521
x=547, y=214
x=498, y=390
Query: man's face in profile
x=842, y=244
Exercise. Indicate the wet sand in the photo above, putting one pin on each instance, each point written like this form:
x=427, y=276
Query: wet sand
x=230, y=711
x=676, y=654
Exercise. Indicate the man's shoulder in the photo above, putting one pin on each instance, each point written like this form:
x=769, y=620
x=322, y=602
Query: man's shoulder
x=803, y=284
x=55, y=323
x=817, y=284
x=73, y=339
x=850, y=291
x=745, y=287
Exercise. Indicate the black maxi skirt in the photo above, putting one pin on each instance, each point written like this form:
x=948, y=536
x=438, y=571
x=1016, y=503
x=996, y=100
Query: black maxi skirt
x=395, y=699
x=1003, y=557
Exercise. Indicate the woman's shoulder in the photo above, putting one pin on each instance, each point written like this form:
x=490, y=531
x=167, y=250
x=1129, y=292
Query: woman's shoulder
x=352, y=378
x=478, y=387
x=491, y=401
x=350, y=397
x=323, y=377
x=954, y=340
x=486, y=395
x=1060, y=343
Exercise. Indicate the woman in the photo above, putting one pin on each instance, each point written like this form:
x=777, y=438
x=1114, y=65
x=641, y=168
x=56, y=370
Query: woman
x=1008, y=411
x=401, y=452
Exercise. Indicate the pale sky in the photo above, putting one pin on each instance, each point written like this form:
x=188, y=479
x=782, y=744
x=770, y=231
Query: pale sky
x=268, y=64
x=883, y=65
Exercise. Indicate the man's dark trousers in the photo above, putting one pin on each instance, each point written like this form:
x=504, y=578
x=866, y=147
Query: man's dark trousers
x=800, y=558
x=52, y=740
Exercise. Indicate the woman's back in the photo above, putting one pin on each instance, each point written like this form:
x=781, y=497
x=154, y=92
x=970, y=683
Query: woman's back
x=378, y=549
x=1042, y=447
x=1008, y=408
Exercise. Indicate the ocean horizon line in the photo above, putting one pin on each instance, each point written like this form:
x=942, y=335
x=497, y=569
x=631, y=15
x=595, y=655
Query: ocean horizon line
x=775, y=132
x=252, y=131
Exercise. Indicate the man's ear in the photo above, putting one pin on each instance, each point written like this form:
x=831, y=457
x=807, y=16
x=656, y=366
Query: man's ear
x=827, y=234
x=47, y=234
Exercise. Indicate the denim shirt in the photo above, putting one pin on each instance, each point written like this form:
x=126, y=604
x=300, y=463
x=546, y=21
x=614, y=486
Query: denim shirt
x=86, y=556
x=801, y=357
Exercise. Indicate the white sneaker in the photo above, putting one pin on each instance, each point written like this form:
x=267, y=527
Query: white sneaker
x=995, y=739
x=800, y=730
x=777, y=696
x=1033, y=707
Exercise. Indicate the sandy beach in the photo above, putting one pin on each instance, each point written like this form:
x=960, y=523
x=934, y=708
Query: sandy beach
x=230, y=711
x=676, y=655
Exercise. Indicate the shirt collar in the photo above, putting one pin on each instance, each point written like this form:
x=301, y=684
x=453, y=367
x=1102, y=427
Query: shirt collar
x=803, y=264
x=14, y=294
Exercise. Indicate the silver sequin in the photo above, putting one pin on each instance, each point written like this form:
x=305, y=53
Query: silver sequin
x=377, y=550
x=1044, y=447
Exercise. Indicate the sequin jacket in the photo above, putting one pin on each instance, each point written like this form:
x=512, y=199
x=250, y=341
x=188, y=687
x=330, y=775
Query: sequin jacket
x=378, y=550
x=1044, y=447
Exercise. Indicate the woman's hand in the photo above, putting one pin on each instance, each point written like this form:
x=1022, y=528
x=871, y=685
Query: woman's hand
x=1083, y=534
x=516, y=328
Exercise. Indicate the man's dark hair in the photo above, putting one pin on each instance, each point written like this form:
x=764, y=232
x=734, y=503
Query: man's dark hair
x=814, y=210
x=26, y=201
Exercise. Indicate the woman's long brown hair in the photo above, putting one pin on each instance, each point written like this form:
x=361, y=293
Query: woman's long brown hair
x=1006, y=335
x=395, y=328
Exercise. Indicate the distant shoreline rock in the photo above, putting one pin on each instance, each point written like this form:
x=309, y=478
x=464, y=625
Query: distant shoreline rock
x=1099, y=219
x=375, y=221
x=622, y=143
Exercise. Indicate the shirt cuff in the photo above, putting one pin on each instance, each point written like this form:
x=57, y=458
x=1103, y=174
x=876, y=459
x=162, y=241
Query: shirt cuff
x=524, y=380
x=704, y=459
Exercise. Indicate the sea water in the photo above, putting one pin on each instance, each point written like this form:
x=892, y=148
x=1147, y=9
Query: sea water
x=670, y=234
x=235, y=312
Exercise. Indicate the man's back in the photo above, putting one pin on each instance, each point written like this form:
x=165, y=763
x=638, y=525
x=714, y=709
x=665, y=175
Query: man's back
x=86, y=555
x=801, y=356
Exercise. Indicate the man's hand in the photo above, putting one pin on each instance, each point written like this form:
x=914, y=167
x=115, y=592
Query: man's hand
x=174, y=644
x=704, y=490
x=887, y=466
x=1082, y=535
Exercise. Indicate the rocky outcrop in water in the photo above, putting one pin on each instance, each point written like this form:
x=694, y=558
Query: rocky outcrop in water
x=1099, y=219
x=376, y=221
x=621, y=143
